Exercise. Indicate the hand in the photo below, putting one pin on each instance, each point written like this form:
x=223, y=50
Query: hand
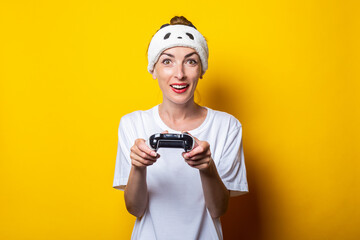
x=141, y=155
x=200, y=156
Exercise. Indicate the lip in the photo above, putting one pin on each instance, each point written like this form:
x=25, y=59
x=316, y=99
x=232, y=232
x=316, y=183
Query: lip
x=180, y=90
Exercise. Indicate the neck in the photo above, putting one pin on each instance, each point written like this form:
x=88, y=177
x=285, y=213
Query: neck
x=175, y=112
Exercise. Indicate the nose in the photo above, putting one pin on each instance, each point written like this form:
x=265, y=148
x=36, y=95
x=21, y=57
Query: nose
x=180, y=74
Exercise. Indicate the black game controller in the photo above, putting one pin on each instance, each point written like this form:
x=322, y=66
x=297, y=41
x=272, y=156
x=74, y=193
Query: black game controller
x=172, y=140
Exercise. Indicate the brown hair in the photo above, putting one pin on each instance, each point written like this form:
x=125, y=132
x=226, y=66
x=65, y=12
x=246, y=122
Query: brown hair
x=180, y=20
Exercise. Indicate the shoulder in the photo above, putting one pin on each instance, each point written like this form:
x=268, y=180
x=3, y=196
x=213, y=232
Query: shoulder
x=224, y=119
x=135, y=117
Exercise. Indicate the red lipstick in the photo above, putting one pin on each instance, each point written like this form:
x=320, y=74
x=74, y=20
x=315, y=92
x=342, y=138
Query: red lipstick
x=179, y=87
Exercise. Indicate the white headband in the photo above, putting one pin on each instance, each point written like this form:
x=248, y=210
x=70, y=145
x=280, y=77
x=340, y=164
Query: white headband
x=177, y=36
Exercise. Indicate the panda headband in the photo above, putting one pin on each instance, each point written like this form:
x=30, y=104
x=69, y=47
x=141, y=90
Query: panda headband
x=177, y=36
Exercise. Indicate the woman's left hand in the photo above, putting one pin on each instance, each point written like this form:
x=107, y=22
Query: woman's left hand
x=200, y=156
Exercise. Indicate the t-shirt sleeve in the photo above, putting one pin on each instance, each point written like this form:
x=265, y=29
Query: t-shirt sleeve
x=123, y=161
x=231, y=167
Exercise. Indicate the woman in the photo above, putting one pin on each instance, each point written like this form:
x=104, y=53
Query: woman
x=173, y=194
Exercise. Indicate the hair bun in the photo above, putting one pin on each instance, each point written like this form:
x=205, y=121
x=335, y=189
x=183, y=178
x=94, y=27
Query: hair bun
x=181, y=20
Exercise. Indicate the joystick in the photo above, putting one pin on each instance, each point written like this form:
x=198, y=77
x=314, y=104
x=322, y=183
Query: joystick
x=172, y=140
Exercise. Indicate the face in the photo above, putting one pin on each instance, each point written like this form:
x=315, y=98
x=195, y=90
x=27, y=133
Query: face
x=178, y=71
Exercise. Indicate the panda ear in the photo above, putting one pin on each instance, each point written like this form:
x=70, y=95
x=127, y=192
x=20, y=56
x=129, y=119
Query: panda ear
x=165, y=25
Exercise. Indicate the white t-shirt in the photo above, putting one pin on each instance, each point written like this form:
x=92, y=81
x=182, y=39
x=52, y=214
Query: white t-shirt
x=176, y=208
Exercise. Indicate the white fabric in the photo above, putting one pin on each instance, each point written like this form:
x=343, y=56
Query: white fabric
x=176, y=207
x=178, y=37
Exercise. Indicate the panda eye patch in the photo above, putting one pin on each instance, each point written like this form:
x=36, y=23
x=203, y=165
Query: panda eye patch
x=167, y=35
x=190, y=36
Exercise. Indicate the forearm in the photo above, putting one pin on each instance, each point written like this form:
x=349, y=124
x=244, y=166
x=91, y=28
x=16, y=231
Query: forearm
x=136, y=196
x=215, y=193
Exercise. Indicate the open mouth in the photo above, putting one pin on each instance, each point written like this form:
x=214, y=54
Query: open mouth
x=179, y=88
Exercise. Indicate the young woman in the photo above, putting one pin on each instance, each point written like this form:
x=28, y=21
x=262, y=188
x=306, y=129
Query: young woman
x=176, y=194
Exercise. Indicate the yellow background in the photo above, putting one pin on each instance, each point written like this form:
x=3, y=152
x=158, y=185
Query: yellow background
x=288, y=70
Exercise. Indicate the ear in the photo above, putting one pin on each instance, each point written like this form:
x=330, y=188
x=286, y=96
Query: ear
x=154, y=75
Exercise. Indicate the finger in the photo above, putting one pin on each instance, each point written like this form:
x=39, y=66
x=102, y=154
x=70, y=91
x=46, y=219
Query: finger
x=198, y=165
x=196, y=157
x=135, y=150
x=164, y=132
x=202, y=148
x=198, y=162
x=142, y=157
x=146, y=149
x=139, y=162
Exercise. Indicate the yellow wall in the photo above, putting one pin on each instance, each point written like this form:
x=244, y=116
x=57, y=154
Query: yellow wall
x=288, y=70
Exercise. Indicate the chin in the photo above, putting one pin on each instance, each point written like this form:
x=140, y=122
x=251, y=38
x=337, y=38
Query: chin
x=183, y=101
x=179, y=99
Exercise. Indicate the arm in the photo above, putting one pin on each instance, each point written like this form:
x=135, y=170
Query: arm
x=215, y=193
x=136, y=195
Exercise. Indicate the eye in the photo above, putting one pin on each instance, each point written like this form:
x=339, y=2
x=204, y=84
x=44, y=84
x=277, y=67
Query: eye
x=167, y=36
x=166, y=61
x=190, y=36
x=192, y=61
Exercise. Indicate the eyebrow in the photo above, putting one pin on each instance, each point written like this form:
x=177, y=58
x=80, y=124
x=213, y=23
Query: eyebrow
x=170, y=55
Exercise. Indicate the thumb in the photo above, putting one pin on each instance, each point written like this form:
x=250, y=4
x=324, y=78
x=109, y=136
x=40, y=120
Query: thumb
x=197, y=141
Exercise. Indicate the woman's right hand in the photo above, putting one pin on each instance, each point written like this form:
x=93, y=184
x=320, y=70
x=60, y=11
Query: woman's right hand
x=142, y=155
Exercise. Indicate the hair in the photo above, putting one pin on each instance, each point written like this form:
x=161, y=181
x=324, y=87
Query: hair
x=180, y=20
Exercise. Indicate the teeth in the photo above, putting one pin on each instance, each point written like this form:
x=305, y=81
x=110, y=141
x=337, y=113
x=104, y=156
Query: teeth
x=179, y=86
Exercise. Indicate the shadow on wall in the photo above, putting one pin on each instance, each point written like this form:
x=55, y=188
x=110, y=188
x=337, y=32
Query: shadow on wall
x=242, y=220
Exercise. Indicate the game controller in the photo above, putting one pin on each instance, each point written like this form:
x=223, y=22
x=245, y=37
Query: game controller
x=172, y=140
